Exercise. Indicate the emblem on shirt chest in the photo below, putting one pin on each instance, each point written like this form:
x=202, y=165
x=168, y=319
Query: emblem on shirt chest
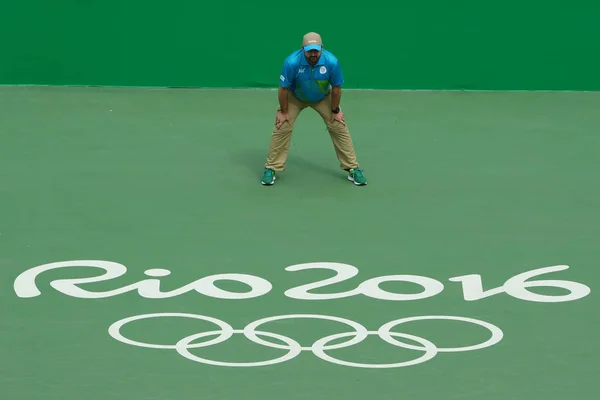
x=305, y=73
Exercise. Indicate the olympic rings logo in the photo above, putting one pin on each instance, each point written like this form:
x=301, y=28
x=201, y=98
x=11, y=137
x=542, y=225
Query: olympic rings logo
x=320, y=348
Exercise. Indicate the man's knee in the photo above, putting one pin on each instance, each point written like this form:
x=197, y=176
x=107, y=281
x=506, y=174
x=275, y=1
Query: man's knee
x=337, y=128
x=285, y=128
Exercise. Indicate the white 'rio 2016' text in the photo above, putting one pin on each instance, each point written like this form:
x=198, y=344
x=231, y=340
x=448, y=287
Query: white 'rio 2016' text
x=472, y=285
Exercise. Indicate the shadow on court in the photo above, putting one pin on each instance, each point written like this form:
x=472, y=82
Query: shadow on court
x=253, y=161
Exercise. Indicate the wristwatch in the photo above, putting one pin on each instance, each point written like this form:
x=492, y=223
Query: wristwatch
x=336, y=110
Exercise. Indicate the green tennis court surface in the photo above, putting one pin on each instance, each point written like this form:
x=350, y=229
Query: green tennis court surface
x=141, y=258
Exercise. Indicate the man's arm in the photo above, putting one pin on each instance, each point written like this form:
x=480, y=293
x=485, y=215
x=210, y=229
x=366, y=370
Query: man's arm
x=336, y=96
x=285, y=84
x=336, y=80
x=283, y=99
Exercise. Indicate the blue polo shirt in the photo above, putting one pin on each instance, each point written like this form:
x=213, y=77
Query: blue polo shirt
x=309, y=83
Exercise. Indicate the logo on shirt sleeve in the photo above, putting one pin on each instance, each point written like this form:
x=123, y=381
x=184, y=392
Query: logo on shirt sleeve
x=282, y=78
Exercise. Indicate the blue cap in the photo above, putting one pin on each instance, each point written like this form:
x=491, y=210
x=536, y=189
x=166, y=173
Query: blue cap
x=312, y=41
x=312, y=47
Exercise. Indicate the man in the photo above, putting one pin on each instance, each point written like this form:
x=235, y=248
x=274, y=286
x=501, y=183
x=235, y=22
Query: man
x=311, y=77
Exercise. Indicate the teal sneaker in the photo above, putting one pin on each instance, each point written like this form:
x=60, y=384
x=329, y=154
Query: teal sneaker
x=268, y=177
x=356, y=175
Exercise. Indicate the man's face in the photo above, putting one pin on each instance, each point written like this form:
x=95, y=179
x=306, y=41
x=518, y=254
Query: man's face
x=312, y=55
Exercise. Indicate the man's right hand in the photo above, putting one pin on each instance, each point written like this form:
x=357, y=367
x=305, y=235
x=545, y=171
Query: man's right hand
x=280, y=119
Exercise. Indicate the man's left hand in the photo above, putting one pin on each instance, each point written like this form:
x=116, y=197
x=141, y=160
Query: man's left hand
x=339, y=117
